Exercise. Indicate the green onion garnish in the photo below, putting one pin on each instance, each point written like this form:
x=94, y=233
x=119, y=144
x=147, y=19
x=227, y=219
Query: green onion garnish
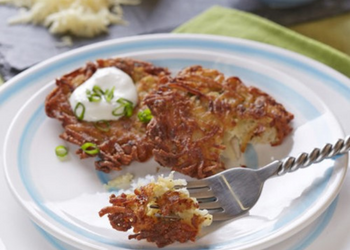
x=145, y=115
x=97, y=90
x=61, y=151
x=128, y=110
x=102, y=125
x=109, y=94
x=119, y=111
x=90, y=148
x=79, y=111
x=125, y=109
x=94, y=97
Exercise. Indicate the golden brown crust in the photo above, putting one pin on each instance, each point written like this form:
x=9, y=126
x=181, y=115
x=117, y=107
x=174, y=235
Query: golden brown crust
x=130, y=211
x=193, y=111
x=126, y=139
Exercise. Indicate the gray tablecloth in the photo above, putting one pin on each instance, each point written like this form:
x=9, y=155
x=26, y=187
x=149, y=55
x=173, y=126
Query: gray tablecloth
x=21, y=46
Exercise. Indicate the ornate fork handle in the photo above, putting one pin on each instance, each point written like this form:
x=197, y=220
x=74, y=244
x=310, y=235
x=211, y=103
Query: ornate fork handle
x=291, y=164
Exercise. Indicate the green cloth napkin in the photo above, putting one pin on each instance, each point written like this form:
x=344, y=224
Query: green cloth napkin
x=229, y=22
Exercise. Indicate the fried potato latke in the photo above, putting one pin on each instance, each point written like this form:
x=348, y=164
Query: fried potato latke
x=125, y=140
x=176, y=218
x=200, y=116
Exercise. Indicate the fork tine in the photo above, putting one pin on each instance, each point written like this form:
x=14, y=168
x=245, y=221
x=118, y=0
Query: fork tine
x=202, y=194
x=219, y=216
x=223, y=216
x=210, y=205
x=197, y=184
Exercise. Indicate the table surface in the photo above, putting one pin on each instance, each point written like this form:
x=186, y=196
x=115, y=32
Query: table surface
x=333, y=31
x=22, y=46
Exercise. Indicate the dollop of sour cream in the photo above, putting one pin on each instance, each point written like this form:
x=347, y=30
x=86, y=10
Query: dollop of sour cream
x=106, y=79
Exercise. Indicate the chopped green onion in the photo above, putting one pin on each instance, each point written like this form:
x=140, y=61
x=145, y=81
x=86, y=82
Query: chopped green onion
x=124, y=101
x=126, y=107
x=79, y=111
x=109, y=94
x=116, y=113
x=61, y=151
x=90, y=148
x=102, y=125
x=145, y=115
x=128, y=110
x=97, y=90
x=94, y=97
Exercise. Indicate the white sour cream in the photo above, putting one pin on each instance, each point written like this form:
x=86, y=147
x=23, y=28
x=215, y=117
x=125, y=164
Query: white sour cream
x=105, y=79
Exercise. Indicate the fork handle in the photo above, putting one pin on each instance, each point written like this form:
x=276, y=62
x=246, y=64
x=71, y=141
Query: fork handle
x=291, y=164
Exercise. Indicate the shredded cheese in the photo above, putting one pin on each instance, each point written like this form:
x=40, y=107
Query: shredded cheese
x=84, y=18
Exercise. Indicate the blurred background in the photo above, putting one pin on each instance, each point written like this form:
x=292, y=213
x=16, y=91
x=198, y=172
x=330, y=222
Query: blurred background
x=24, y=45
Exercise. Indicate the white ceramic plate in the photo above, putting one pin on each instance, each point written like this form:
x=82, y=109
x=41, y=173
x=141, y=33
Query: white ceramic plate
x=64, y=197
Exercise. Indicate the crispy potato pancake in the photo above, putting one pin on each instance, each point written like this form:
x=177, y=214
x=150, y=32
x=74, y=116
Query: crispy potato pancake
x=200, y=116
x=176, y=217
x=125, y=139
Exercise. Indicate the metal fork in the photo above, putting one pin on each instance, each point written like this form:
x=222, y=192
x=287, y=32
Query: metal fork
x=234, y=192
